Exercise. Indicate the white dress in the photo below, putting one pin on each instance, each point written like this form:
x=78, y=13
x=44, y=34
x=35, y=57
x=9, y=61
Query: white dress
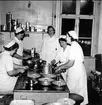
x=19, y=51
x=49, y=48
x=7, y=82
x=63, y=57
x=75, y=76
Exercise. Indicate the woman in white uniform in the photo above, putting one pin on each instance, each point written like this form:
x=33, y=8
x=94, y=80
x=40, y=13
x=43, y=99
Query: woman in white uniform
x=76, y=76
x=50, y=45
x=19, y=36
x=8, y=74
x=62, y=55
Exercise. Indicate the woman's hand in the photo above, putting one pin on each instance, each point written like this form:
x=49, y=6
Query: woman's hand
x=22, y=70
x=25, y=67
x=53, y=61
x=58, y=69
x=27, y=57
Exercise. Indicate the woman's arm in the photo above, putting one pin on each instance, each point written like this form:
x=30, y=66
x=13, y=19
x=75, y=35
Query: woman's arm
x=16, y=71
x=65, y=66
x=21, y=57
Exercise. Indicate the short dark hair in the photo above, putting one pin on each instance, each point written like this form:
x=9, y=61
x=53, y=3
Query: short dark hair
x=15, y=46
x=62, y=39
x=49, y=28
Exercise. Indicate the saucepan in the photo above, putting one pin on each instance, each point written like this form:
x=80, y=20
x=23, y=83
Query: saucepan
x=29, y=63
x=66, y=101
x=45, y=81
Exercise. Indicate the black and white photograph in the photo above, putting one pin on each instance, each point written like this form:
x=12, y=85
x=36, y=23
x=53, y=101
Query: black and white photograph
x=50, y=52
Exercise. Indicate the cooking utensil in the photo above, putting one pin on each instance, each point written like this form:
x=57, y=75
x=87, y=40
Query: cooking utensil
x=66, y=101
x=46, y=68
x=28, y=63
x=53, y=103
x=59, y=83
x=32, y=74
x=45, y=81
x=48, y=75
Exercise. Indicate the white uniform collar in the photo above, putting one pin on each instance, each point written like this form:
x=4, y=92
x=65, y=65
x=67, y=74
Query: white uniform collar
x=7, y=52
x=17, y=40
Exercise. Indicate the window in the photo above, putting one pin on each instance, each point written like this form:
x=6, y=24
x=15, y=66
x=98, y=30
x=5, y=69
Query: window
x=79, y=15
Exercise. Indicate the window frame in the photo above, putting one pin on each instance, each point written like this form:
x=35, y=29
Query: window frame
x=77, y=16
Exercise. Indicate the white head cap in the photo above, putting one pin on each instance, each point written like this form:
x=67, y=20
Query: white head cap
x=11, y=43
x=18, y=30
x=63, y=36
x=73, y=34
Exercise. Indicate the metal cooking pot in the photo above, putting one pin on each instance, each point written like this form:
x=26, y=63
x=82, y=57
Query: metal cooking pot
x=46, y=68
x=45, y=81
x=28, y=63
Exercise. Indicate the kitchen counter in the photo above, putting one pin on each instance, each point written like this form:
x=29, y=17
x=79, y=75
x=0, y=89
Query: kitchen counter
x=38, y=93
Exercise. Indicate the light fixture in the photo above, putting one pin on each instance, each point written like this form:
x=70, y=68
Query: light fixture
x=29, y=4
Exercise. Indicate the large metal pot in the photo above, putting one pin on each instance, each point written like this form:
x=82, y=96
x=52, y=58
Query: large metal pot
x=28, y=63
x=46, y=68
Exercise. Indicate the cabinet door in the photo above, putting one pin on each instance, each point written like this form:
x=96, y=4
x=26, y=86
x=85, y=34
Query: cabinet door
x=23, y=96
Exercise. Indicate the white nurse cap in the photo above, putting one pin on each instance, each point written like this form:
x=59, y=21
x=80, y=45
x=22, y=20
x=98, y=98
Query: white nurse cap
x=18, y=30
x=11, y=43
x=63, y=36
x=73, y=34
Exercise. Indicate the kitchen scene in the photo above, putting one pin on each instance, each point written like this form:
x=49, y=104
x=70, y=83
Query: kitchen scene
x=51, y=52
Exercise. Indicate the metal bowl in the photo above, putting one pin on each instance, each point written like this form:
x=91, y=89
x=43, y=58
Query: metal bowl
x=45, y=81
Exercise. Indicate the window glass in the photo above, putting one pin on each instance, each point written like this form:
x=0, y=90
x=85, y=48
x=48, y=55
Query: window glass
x=67, y=25
x=85, y=28
x=86, y=7
x=86, y=46
x=69, y=7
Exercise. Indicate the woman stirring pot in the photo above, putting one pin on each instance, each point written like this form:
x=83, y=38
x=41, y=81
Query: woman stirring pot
x=72, y=65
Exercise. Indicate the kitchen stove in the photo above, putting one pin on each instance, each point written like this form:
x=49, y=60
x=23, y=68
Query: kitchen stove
x=34, y=84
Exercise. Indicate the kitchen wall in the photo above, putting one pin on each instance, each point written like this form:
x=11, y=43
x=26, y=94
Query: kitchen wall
x=40, y=13
x=0, y=12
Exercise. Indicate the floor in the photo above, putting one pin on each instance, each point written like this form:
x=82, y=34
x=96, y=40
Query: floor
x=93, y=100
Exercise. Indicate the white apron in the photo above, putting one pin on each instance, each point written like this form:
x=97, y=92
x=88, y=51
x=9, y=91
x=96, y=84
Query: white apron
x=19, y=51
x=77, y=81
x=7, y=82
x=77, y=77
x=49, y=49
